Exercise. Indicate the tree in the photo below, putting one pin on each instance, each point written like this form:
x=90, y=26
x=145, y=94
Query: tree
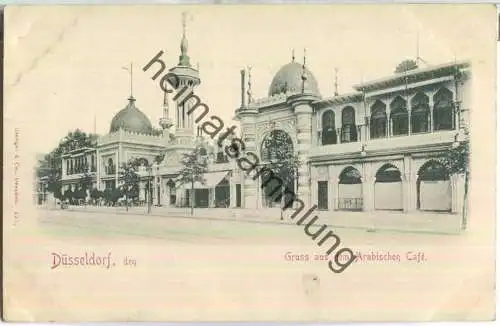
x=130, y=180
x=51, y=165
x=456, y=161
x=194, y=166
x=405, y=66
x=283, y=163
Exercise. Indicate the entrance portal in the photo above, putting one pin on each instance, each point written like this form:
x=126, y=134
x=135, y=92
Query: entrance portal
x=277, y=156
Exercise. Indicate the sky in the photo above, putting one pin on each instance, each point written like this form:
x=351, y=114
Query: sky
x=64, y=63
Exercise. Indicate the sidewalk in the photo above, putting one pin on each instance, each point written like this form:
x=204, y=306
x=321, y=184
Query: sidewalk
x=419, y=222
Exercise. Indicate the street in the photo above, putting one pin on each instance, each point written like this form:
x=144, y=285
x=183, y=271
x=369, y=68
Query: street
x=195, y=268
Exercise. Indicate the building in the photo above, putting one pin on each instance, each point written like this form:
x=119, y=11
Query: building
x=372, y=149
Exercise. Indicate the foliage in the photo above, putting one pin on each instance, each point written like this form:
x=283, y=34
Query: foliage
x=194, y=166
x=406, y=65
x=282, y=160
x=130, y=179
x=51, y=165
x=456, y=159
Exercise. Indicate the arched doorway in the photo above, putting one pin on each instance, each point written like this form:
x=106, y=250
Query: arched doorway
x=172, y=192
x=388, y=188
x=277, y=148
x=350, y=194
x=433, y=188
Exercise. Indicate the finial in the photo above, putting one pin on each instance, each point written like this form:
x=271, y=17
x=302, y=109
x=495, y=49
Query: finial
x=304, y=76
x=130, y=71
x=293, y=55
x=249, y=91
x=184, y=58
x=336, y=82
x=184, y=16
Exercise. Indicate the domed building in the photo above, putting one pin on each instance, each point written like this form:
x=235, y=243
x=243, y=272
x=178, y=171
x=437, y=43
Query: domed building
x=289, y=80
x=373, y=149
x=131, y=119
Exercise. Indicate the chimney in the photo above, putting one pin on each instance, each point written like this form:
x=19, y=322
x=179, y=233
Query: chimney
x=242, y=87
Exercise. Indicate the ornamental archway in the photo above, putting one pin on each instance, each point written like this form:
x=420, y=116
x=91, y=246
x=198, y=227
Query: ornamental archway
x=277, y=148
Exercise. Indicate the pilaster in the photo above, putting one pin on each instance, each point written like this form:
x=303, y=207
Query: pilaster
x=332, y=188
x=303, y=112
x=314, y=185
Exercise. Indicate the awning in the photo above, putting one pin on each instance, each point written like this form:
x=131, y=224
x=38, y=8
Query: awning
x=212, y=179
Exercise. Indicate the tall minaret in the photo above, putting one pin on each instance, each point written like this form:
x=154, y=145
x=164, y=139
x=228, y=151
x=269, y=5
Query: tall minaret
x=165, y=122
x=187, y=76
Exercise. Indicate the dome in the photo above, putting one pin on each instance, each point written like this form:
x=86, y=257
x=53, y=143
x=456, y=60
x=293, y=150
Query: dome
x=289, y=79
x=131, y=119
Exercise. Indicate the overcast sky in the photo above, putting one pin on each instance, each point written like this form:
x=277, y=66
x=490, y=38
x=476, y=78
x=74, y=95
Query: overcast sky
x=64, y=64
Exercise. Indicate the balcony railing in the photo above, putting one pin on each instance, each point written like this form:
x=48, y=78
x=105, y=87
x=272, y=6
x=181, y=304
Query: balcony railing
x=350, y=204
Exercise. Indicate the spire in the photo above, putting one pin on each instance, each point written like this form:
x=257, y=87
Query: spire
x=130, y=70
x=249, y=91
x=184, y=58
x=293, y=55
x=336, y=93
x=242, y=87
x=304, y=76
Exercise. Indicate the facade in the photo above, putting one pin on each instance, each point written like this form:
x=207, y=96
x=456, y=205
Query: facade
x=372, y=149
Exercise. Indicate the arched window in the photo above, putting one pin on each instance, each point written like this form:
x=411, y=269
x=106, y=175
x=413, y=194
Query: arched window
x=378, y=120
x=68, y=171
x=349, y=132
x=443, y=110
x=420, y=113
x=328, y=132
x=399, y=116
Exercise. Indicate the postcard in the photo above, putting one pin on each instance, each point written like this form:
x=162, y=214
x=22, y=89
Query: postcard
x=249, y=163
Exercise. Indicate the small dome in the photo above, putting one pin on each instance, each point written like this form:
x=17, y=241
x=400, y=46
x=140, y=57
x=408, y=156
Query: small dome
x=289, y=79
x=131, y=119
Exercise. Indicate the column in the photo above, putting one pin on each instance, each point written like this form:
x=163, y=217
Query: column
x=367, y=129
x=232, y=191
x=412, y=192
x=211, y=197
x=332, y=188
x=368, y=184
x=303, y=112
x=406, y=183
x=250, y=190
x=431, y=113
x=359, y=129
x=116, y=169
x=314, y=185
x=408, y=109
x=64, y=171
x=338, y=131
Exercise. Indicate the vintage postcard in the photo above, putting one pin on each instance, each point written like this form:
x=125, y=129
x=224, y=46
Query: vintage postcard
x=249, y=163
